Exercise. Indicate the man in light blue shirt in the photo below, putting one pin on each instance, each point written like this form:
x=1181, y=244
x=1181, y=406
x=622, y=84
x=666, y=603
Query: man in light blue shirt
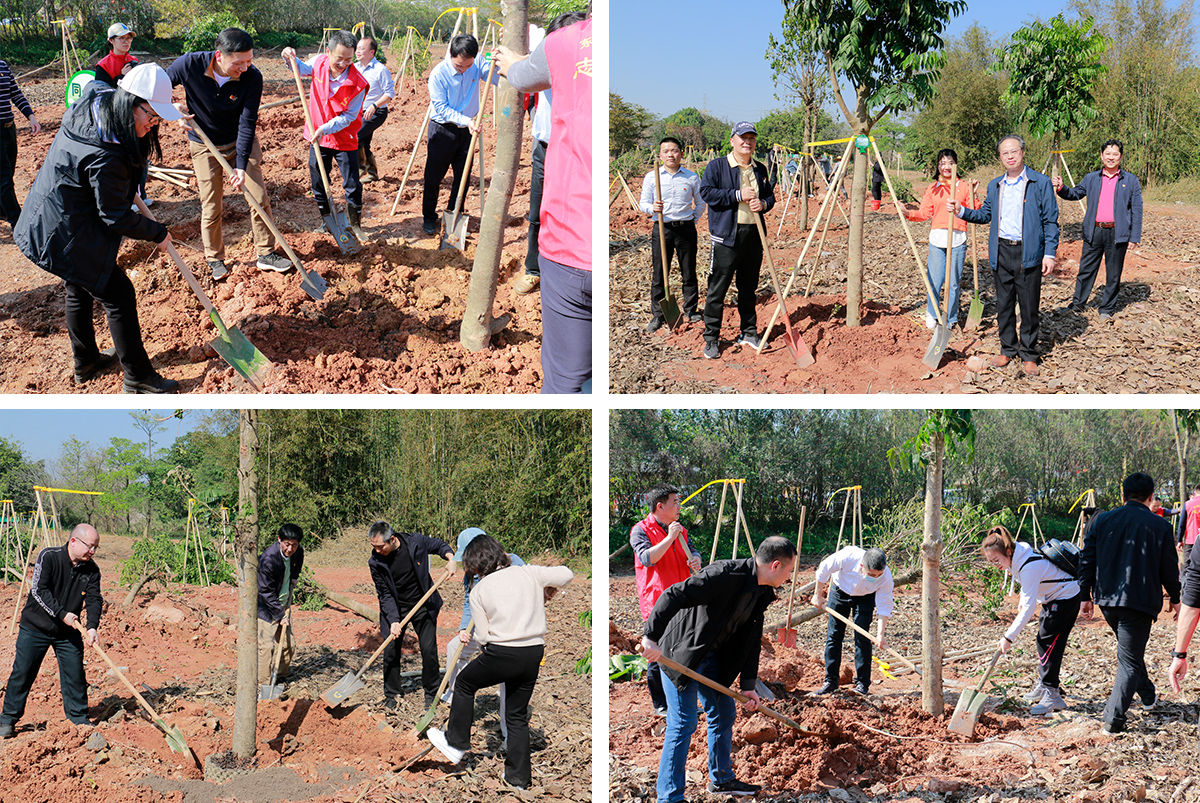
x=681, y=208
x=454, y=100
x=375, y=111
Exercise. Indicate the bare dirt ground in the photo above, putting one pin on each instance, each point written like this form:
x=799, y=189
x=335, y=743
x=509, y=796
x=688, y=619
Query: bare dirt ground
x=187, y=670
x=388, y=324
x=1146, y=348
x=885, y=747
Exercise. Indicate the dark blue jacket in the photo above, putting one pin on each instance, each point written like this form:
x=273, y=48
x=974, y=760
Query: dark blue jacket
x=419, y=547
x=1127, y=205
x=721, y=189
x=226, y=113
x=1039, y=226
x=1128, y=559
x=270, y=581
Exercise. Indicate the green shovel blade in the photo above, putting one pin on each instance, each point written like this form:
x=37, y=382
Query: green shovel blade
x=237, y=350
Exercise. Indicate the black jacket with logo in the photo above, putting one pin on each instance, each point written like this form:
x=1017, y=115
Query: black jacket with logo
x=270, y=581
x=60, y=587
x=419, y=547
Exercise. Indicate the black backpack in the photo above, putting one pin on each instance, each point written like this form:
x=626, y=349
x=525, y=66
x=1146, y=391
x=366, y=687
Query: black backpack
x=1062, y=554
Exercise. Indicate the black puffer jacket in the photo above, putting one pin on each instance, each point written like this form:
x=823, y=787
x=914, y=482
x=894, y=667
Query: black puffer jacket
x=79, y=207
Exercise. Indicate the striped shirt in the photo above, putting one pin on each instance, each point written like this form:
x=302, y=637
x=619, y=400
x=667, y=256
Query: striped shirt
x=11, y=94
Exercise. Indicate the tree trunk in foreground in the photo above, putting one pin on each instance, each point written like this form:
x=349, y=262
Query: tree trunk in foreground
x=245, y=715
x=854, y=265
x=932, y=699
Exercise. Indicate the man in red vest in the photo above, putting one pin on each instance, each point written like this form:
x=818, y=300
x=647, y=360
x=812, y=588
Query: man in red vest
x=1189, y=524
x=335, y=105
x=662, y=557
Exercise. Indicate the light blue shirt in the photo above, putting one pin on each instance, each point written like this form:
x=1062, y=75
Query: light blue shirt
x=455, y=96
x=345, y=118
x=380, y=79
x=540, y=127
x=681, y=195
x=1011, y=199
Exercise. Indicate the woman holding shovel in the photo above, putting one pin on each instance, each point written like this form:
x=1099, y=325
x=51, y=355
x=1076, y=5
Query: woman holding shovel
x=933, y=205
x=1058, y=592
x=508, y=608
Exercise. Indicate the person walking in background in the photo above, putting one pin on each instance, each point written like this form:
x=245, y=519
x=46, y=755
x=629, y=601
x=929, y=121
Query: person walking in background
x=374, y=109
x=11, y=95
x=1126, y=563
x=1112, y=223
x=1189, y=525
x=279, y=568
x=678, y=213
x=858, y=582
x=947, y=252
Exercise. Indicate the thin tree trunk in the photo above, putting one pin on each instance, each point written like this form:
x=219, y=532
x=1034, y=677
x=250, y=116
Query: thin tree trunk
x=932, y=699
x=802, y=170
x=478, y=325
x=136, y=587
x=854, y=269
x=245, y=717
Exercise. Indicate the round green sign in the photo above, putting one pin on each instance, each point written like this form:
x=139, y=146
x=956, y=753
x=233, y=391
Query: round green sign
x=76, y=85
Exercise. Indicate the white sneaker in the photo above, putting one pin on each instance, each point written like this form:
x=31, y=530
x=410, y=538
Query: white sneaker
x=1051, y=701
x=1034, y=694
x=438, y=739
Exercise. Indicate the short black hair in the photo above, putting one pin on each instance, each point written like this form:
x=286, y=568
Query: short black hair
x=563, y=20
x=373, y=44
x=290, y=532
x=234, y=40
x=1138, y=486
x=658, y=495
x=464, y=45
x=483, y=556
x=774, y=548
x=380, y=528
x=1110, y=142
x=343, y=38
x=665, y=140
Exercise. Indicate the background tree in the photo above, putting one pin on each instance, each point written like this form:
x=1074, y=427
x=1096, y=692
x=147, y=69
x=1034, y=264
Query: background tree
x=245, y=715
x=627, y=124
x=1186, y=425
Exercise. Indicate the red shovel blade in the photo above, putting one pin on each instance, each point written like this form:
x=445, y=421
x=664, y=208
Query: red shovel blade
x=801, y=353
x=786, y=636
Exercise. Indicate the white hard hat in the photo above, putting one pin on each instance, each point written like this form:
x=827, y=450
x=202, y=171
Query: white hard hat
x=151, y=83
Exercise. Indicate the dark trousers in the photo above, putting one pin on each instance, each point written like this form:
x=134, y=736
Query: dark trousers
x=681, y=240
x=654, y=680
x=566, y=327
x=1103, y=244
x=367, y=132
x=10, y=210
x=1132, y=629
x=535, y=207
x=31, y=647
x=448, y=148
x=743, y=262
x=348, y=165
x=424, y=624
x=864, y=610
x=877, y=190
x=1054, y=626
x=517, y=669
x=1016, y=285
x=120, y=306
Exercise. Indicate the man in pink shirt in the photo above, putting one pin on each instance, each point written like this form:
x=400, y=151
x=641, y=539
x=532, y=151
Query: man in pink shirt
x=1113, y=220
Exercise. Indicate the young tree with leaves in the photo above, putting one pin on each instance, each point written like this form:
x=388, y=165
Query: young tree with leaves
x=627, y=124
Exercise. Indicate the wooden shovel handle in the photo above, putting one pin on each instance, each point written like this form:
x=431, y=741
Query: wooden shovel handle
x=873, y=640
x=313, y=133
x=795, y=568
x=454, y=659
x=662, y=234
x=462, y=185
x=179, y=263
x=975, y=242
x=153, y=715
x=988, y=673
x=445, y=576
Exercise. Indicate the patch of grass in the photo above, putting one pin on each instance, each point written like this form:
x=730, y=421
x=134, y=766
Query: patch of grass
x=1186, y=190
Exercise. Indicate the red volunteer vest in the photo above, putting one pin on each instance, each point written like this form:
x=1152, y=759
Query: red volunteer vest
x=566, y=234
x=323, y=108
x=1191, y=509
x=671, y=568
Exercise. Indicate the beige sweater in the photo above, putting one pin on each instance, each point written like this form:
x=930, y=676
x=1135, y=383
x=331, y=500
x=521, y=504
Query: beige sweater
x=508, y=606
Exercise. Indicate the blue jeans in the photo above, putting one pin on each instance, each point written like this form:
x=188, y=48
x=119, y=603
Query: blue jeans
x=719, y=710
x=937, y=275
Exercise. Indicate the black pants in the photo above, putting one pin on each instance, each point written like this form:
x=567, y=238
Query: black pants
x=864, y=611
x=654, y=679
x=367, y=132
x=681, y=240
x=1054, y=626
x=1132, y=629
x=535, y=207
x=877, y=190
x=424, y=624
x=348, y=165
x=31, y=647
x=10, y=210
x=120, y=306
x=1103, y=244
x=1016, y=285
x=448, y=148
x=517, y=669
x=741, y=262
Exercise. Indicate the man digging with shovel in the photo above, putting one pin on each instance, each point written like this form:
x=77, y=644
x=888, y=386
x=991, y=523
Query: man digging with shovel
x=857, y=580
x=279, y=568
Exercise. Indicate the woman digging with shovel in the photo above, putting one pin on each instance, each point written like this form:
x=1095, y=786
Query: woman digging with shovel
x=508, y=608
x=1058, y=592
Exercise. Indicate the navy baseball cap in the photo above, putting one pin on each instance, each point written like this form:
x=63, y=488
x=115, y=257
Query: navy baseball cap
x=743, y=128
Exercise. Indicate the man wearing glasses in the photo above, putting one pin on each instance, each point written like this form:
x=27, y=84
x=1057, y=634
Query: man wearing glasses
x=65, y=580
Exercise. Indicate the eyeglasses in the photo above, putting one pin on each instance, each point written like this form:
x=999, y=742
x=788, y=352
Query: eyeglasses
x=87, y=546
x=154, y=117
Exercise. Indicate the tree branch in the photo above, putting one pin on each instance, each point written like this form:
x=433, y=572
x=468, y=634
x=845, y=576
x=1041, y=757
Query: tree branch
x=837, y=90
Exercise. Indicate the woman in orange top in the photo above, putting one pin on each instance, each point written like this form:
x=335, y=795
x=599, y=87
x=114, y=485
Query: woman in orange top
x=933, y=204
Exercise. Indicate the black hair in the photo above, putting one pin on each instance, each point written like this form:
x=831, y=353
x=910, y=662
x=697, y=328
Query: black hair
x=234, y=40
x=483, y=556
x=374, y=45
x=343, y=38
x=116, y=119
x=464, y=45
x=937, y=160
x=774, y=548
x=1110, y=142
x=380, y=528
x=563, y=20
x=290, y=532
x=1138, y=486
x=658, y=495
x=665, y=140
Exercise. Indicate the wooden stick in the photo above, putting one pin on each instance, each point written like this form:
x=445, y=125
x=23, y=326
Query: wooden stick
x=720, y=514
x=275, y=103
x=629, y=194
x=873, y=640
x=829, y=185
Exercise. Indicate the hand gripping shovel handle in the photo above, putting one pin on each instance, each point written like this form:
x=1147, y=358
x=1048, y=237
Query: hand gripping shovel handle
x=445, y=576
x=462, y=185
x=873, y=640
x=284, y=625
x=137, y=695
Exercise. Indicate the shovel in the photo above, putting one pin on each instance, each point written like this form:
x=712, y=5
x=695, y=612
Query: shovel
x=336, y=694
x=970, y=701
x=427, y=720
x=795, y=343
x=786, y=635
x=873, y=640
x=454, y=224
x=174, y=736
x=668, y=304
x=941, y=333
x=975, y=314
x=312, y=283
x=335, y=222
x=233, y=346
x=272, y=690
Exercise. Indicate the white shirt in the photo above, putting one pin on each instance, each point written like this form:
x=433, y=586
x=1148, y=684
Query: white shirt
x=1041, y=581
x=1011, y=199
x=845, y=569
x=680, y=194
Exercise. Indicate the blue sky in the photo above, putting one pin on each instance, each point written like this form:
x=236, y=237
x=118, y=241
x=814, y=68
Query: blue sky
x=667, y=56
x=41, y=433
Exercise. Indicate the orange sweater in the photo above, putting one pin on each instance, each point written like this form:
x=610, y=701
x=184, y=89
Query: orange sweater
x=933, y=204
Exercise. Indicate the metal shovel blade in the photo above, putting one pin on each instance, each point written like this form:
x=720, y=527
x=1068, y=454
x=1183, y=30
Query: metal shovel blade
x=966, y=713
x=427, y=720
x=313, y=284
x=174, y=736
x=454, y=232
x=336, y=694
x=786, y=636
x=975, y=314
x=670, y=311
x=339, y=227
x=801, y=353
x=937, y=347
x=266, y=691
x=237, y=350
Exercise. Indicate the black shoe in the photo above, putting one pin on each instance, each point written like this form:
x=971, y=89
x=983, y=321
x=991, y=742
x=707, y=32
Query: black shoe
x=106, y=358
x=389, y=703
x=219, y=271
x=861, y=688
x=430, y=227
x=6, y=730
x=1113, y=730
x=1149, y=703
x=712, y=350
x=1073, y=308
x=654, y=325
x=734, y=787
x=695, y=317
x=828, y=687
x=155, y=383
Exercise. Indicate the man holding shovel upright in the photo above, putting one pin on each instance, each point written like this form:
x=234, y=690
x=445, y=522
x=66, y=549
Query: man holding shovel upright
x=65, y=580
x=662, y=557
x=399, y=565
x=374, y=111
x=223, y=91
x=712, y=623
x=857, y=580
x=681, y=208
x=335, y=104
x=279, y=569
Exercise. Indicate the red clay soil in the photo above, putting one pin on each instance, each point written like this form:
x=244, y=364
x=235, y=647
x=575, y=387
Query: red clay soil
x=388, y=323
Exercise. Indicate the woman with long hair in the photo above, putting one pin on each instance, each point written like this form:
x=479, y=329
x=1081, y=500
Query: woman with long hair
x=79, y=209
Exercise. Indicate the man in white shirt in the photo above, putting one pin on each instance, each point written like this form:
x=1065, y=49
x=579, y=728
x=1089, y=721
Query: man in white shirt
x=857, y=580
x=681, y=208
x=375, y=110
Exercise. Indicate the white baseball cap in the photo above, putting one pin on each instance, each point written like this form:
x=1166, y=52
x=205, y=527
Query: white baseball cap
x=118, y=29
x=152, y=84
